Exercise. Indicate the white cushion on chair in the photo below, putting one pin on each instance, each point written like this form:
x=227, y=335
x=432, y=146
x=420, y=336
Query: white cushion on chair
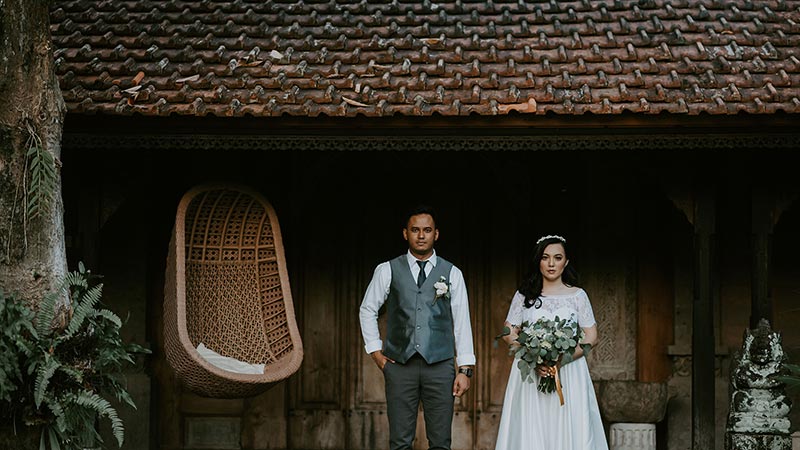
x=227, y=363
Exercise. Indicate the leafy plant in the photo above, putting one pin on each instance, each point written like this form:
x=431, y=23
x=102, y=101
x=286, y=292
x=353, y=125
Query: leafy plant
x=44, y=180
x=792, y=379
x=59, y=368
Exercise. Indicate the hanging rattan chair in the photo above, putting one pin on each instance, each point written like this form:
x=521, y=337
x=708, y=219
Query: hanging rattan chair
x=226, y=287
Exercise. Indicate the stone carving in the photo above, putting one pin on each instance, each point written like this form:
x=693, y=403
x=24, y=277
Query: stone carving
x=614, y=357
x=759, y=409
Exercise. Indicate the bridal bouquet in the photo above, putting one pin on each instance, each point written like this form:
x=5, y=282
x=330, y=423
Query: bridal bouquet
x=543, y=343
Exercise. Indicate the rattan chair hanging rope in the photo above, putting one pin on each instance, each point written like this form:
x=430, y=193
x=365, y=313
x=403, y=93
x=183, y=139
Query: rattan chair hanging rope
x=227, y=287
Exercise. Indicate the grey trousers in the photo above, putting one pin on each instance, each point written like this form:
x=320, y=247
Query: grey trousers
x=408, y=384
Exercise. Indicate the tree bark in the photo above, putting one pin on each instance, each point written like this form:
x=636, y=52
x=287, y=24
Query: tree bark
x=32, y=250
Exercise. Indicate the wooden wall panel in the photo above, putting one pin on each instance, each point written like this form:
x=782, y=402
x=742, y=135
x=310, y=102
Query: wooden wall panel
x=370, y=390
x=655, y=297
x=500, y=274
x=607, y=267
x=323, y=282
x=368, y=430
x=317, y=429
x=486, y=424
x=495, y=359
x=264, y=420
x=463, y=430
x=321, y=368
x=655, y=322
x=317, y=416
x=420, y=439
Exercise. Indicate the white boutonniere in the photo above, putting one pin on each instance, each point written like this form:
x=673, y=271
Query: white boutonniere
x=442, y=289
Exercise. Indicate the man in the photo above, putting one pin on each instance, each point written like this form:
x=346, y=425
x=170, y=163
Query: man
x=428, y=325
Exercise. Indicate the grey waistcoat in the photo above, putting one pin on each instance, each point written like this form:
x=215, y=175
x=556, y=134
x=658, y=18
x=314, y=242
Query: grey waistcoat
x=414, y=323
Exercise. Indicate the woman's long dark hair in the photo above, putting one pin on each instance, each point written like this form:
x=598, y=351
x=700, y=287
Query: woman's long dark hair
x=531, y=286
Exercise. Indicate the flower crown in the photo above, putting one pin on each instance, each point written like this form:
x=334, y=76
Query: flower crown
x=551, y=236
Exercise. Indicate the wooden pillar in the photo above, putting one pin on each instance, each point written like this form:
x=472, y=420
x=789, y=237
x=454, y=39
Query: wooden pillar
x=762, y=221
x=703, y=341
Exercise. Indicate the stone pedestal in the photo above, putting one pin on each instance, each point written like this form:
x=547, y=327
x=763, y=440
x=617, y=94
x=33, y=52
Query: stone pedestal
x=632, y=436
x=632, y=401
x=632, y=408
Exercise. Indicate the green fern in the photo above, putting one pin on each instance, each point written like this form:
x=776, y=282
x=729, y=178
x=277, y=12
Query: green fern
x=122, y=395
x=43, y=376
x=42, y=441
x=43, y=179
x=74, y=374
x=54, y=441
x=71, y=369
x=103, y=408
x=76, y=280
x=15, y=343
x=58, y=412
x=792, y=379
x=108, y=315
x=85, y=306
x=46, y=314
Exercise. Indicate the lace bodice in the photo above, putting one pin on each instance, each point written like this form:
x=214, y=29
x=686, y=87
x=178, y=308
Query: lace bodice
x=575, y=306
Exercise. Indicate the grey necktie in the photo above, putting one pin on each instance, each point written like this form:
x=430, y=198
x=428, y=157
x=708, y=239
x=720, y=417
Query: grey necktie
x=421, y=277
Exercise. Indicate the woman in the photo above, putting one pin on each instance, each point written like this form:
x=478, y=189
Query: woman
x=533, y=420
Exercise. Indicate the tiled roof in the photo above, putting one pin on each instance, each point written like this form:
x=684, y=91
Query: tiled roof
x=452, y=57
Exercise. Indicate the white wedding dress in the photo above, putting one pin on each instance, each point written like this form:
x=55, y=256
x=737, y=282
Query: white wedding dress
x=533, y=420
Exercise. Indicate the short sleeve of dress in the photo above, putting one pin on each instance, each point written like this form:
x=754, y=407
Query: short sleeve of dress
x=585, y=313
x=515, y=311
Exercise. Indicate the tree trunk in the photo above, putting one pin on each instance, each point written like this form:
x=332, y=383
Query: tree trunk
x=32, y=250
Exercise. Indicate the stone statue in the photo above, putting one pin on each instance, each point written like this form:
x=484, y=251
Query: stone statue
x=759, y=408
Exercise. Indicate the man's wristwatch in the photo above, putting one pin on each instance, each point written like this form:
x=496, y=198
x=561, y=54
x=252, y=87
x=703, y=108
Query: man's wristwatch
x=466, y=371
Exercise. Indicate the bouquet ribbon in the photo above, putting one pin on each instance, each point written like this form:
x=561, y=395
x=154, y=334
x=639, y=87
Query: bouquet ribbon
x=558, y=385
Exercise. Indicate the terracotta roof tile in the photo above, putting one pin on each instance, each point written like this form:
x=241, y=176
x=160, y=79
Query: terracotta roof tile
x=449, y=57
